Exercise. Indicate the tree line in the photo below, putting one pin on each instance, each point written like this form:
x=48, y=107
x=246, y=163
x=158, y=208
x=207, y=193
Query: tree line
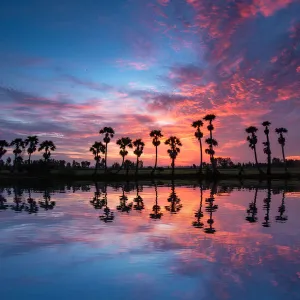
x=99, y=149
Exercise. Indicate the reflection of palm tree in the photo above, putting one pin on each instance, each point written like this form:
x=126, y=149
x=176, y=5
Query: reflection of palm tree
x=156, y=135
x=281, y=141
x=32, y=207
x=174, y=144
x=175, y=205
x=138, y=151
x=3, y=205
x=123, y=143
x=199, y=214
x=124, y=207
x=18, y=205
x=199, y=135
x=267, y=148
x=47, y=204
x=96, y=201
x=281, y=209
x=108, y=215
x=31, y=142
x=252, y=211
x=252, y=139
x=267, y=206
x=156, y=208
x=139, y=204
x=211, y=208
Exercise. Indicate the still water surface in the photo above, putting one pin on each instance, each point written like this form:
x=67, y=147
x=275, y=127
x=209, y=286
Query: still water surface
x=149, y=242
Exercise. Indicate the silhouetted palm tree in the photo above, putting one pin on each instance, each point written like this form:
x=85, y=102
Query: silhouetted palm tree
x=281, y=209
x=267, y=206
x=3, y=144
x=252, y=139
x=156, y=135
x=156, y=208
x=281, y=141
x=138, y=151
x=252, y=211
x=31, y=142
x=174, y=144
x=267, y=145
x=108, y=135
x=123, y=143
x=211, y=141
x=47, y=146
x=175, y=205
x=19, y=147
x=199, y=135
x=199, y=214
x=97, y=149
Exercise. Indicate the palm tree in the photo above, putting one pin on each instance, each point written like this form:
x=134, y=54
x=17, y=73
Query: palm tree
x=108, y=133
x=156, y=135
x=97, y=149
x=210, y=141
x=123, y=143
x=281, y=141
x=174, y=143
x=47, y=146
x=31, y=142
x=3, y=145
x=138, y=151
x=267, y=148
x=199, y=135
x=252, y=139
x=19, y=146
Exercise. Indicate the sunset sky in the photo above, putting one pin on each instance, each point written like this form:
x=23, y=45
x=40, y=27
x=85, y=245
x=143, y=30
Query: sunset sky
x=68, y=68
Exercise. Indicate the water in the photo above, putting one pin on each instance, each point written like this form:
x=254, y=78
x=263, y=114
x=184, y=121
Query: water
x=147, y=242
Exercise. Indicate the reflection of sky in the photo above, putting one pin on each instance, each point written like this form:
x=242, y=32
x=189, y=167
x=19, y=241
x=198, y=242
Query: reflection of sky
x=68, y=253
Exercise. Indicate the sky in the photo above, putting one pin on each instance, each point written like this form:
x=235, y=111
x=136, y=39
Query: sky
x=69, y=68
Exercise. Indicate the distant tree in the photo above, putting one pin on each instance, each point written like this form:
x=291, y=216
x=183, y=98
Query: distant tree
x=199, y=135
x=3, y=144
x=267, y=145
x=123, y=143
x=108, y=133
x=47, y=146
x=281, y=140
x=211, y=141
x=252, y=139
x=19, y=147
x=97, y=149
x=31, y=143
x=156, y=135
x=128, y=165
x=174, y=150
x=138, y=151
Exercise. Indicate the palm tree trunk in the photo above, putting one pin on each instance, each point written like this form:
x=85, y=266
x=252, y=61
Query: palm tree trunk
x=256, y=161
x=269, y=156
x=201, y=157
x=105, y=157
x=155, y=164
x=173, y=166
x=29, y=159
x=137, y=165
x=283, y=156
